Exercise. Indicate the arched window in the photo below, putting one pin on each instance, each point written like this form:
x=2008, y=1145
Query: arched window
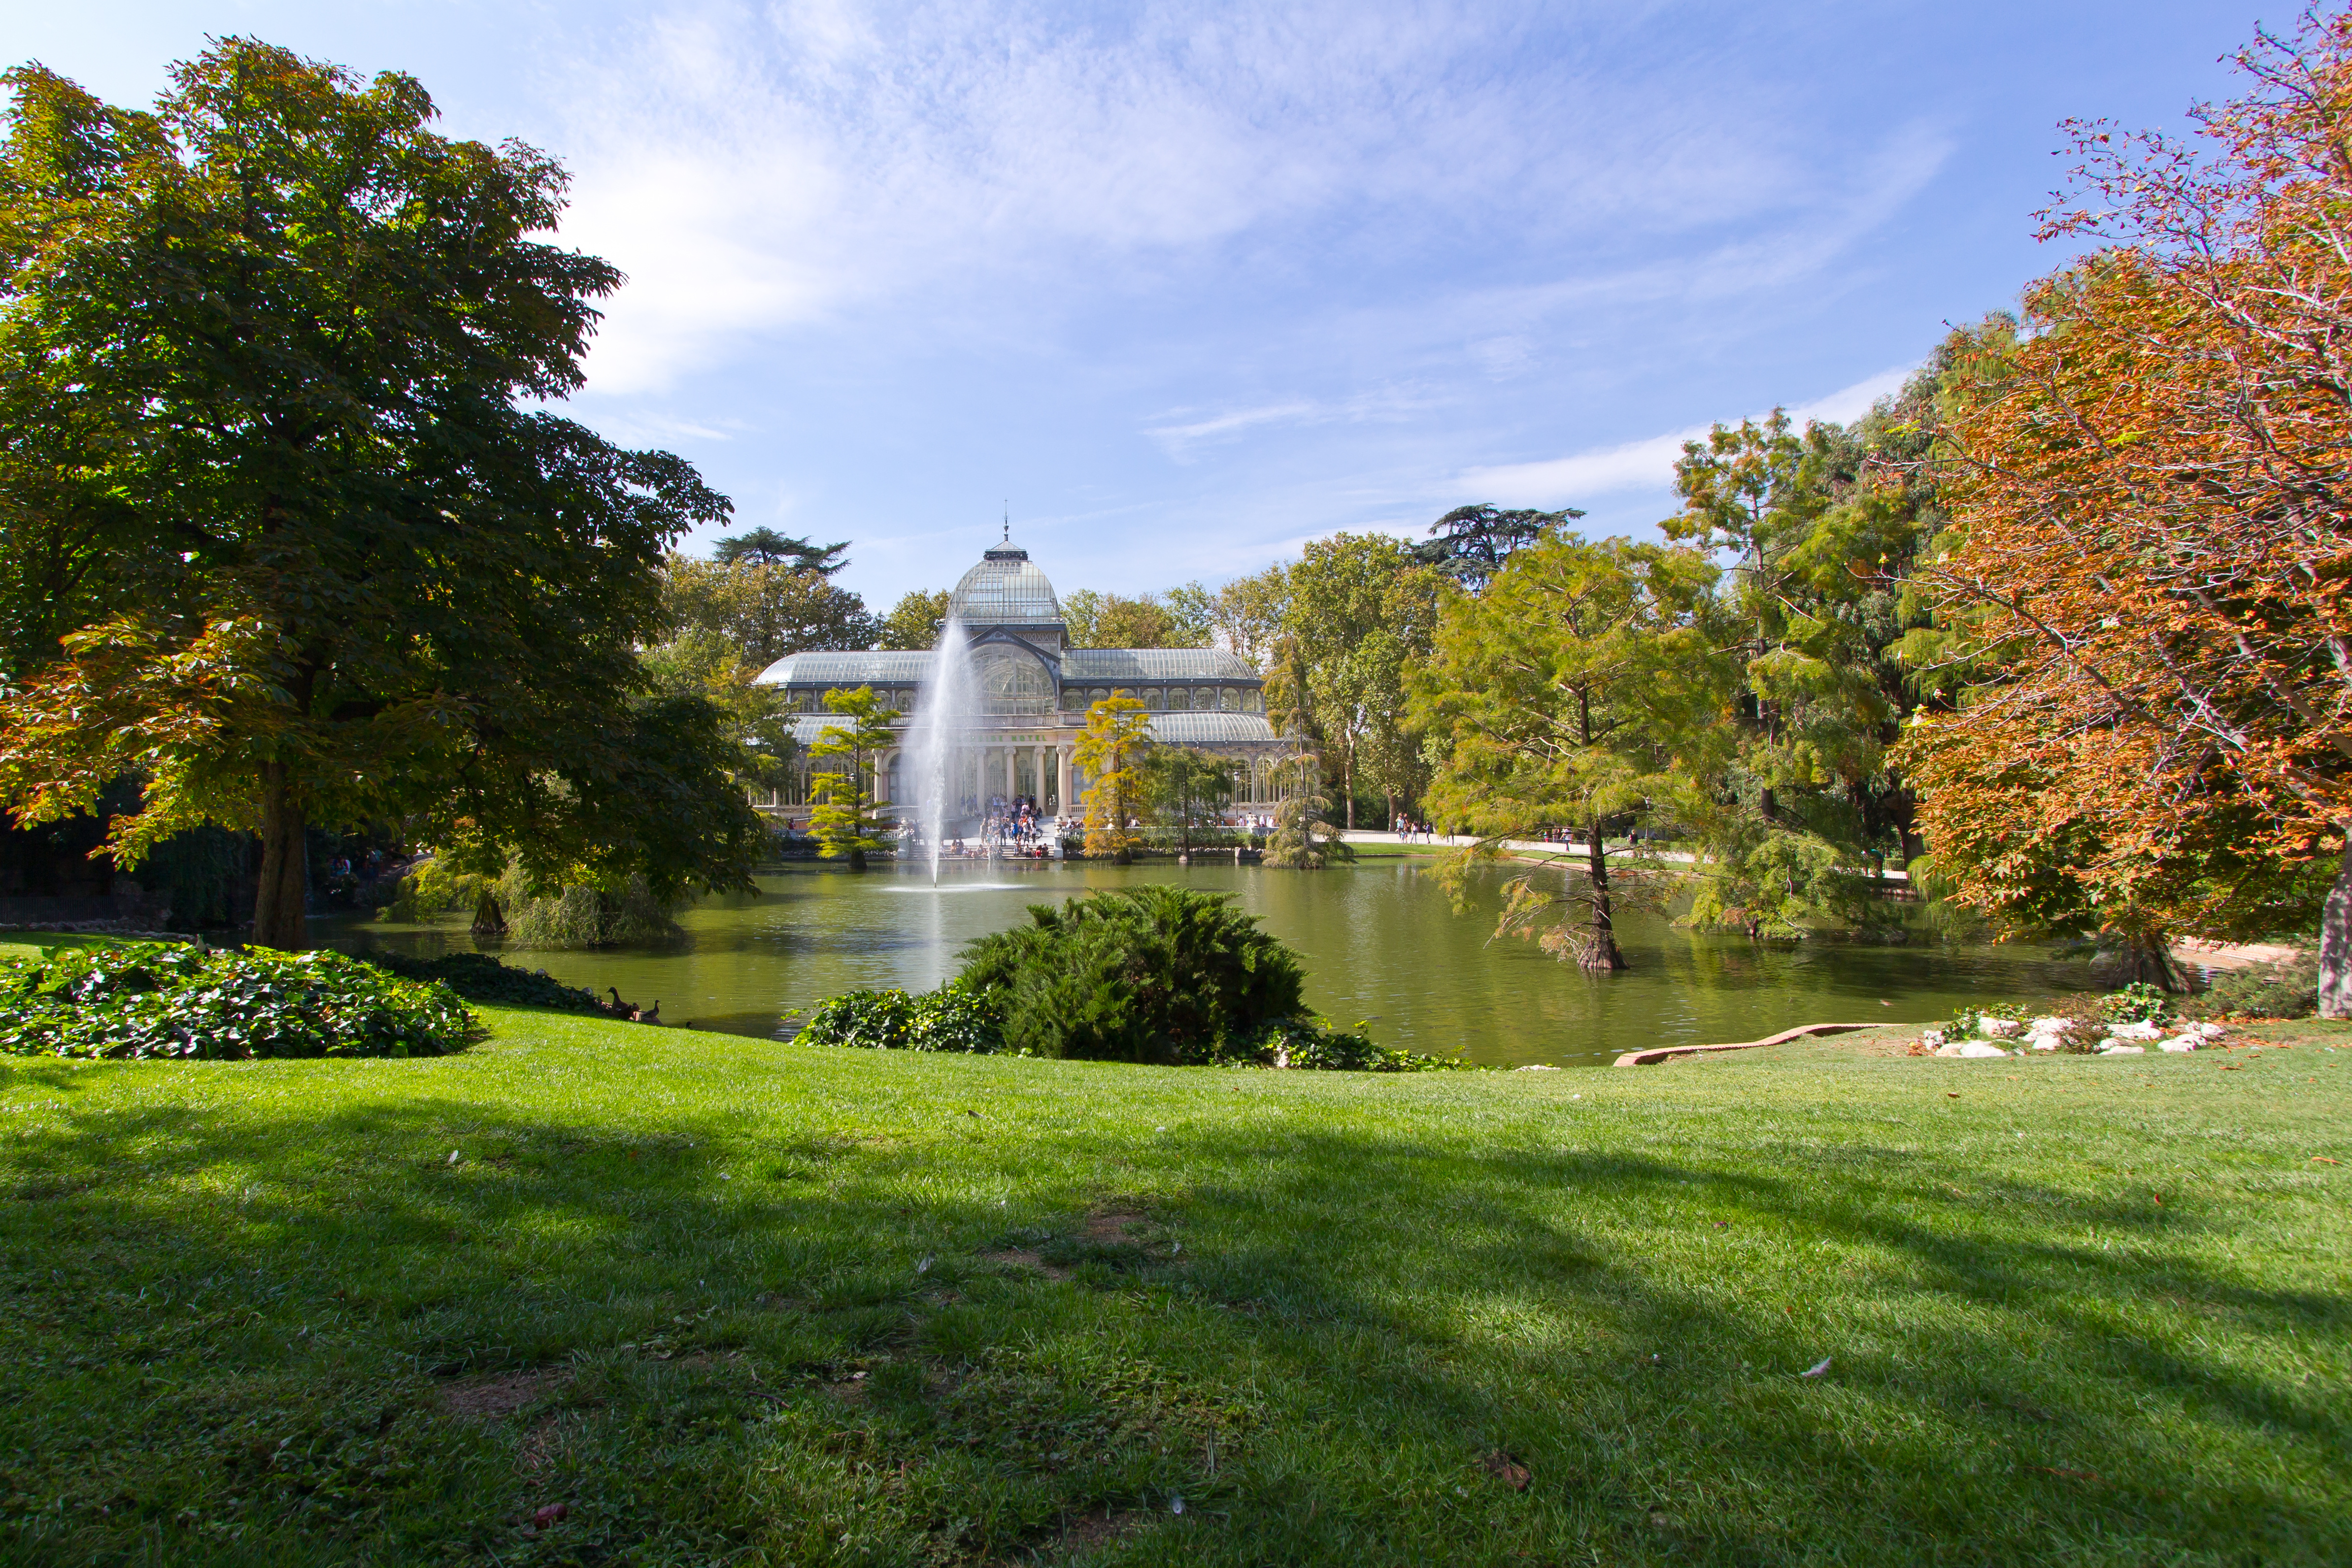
x=1253, y=701
x=1100, y=695
x=1230, y=699
x=1011, y=682
x=1154, y=699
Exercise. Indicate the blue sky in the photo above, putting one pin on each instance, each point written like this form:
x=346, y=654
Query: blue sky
x=1190, y=284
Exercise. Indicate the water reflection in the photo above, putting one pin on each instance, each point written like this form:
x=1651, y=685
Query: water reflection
x=1380, y=941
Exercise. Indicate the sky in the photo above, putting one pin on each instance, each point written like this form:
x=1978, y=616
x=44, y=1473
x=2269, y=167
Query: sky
x=1182, y=285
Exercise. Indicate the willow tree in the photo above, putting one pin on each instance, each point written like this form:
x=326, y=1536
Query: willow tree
x=332, y=561
x=1583, y=688
x=2154, y=536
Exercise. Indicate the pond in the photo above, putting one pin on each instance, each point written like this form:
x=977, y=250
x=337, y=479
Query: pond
x=1380, y=941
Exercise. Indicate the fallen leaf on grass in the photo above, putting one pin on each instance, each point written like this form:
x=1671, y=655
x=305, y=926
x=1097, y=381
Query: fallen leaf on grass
x=1818, y=1368
x=553, y=1514
x=2073, y=1475
x=2324, y=1160
x=1952, y=1094
x=1509, y=1468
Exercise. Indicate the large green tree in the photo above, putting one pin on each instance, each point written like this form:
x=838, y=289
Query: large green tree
x=1585, y=688
x=1360, y=612
x=765, y=608
x=1820, y=529
x=273, y=363
x=1178, y=619
x=915, y=620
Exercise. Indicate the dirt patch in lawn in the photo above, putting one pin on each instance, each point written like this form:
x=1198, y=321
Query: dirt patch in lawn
x=1026, y=1259
x=1098, y=1527
x=494, y=1398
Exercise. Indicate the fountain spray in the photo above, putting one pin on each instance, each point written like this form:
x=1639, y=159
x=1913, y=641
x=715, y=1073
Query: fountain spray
x=944, y=706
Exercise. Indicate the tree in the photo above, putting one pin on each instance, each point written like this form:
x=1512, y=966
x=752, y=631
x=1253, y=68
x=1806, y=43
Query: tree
x=845, y=821
x=916, y=622
x=1118, y=734
x=1470, y=544
x=1302, y=839
x=766, y=609
x=1111, y=620
x=1194, y=609
x=2152, y=536
x=1186, y=788
x=756, y=719
x=325, y=565
x=1584, y=689
x=1822, y=527
x=1246, y=615
x=1360, y=612
x=765, y=547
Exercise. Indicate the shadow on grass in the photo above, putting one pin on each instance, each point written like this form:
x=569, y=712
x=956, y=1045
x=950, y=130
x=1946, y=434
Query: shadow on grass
x=2020, y=1372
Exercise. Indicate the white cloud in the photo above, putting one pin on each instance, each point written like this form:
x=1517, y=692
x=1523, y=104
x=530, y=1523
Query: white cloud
x=1177, y=435
x=1647, y=464
x=760, y=170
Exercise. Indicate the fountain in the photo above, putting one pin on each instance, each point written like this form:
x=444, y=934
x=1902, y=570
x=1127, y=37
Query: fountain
x=945, y=705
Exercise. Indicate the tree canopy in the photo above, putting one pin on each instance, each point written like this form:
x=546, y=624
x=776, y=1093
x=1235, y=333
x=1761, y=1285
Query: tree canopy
x=1470, y=544
x=2152, y=552
x=766, y=546
x=288, y=537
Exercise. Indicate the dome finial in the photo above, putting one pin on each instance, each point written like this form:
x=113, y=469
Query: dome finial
x=1008, y=520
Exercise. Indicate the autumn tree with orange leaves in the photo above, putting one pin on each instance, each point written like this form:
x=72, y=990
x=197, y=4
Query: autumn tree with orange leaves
x=2150, y=490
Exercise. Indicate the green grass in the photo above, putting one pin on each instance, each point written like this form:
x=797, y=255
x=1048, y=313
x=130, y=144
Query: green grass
x=730, y=1301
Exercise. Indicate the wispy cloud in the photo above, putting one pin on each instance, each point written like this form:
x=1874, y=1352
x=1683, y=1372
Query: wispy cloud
x=1647, y=464
x=756, y=169
x=1177, y=434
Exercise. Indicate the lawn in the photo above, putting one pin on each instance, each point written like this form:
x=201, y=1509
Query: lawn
x=594, y=1292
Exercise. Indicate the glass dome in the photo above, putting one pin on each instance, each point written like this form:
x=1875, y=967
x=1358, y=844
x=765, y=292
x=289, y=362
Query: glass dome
x=1005, y=589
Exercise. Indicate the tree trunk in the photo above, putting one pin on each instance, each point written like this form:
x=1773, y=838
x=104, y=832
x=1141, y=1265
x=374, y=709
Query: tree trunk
x=1604, y=951
x=1351, y=783
x=2335, y=944
x=278, y=916
x=489, y=920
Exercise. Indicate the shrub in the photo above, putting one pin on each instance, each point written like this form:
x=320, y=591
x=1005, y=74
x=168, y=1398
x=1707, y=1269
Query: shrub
x=2286, y=990
x=1309, y=1042
x=582, y=916
x=167, y=998
x=2140, y=1002
x=948, y=1018
x=479, y=978
x=1154, y=974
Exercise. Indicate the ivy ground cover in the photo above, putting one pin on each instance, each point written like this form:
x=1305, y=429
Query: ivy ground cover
x=590, y=1292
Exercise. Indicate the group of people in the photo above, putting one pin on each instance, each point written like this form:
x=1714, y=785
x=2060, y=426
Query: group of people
x=1410, y=831
x=1016, y=824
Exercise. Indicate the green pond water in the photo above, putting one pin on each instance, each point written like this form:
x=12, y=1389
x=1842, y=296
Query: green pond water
x=1380, y=942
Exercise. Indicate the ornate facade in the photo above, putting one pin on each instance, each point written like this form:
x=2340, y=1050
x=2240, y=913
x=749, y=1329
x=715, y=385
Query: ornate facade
x=1032, y=691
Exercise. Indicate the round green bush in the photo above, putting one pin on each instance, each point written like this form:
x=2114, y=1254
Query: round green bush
x=1154, y=974
x=169, y=999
